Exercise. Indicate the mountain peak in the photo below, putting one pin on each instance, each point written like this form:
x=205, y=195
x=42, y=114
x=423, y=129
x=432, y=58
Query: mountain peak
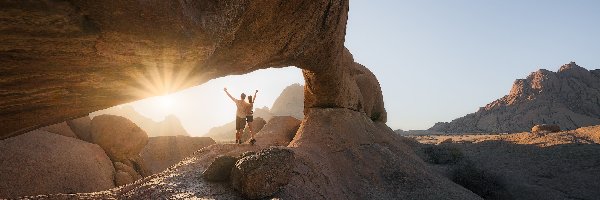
x=570, y=66
x=568, y=98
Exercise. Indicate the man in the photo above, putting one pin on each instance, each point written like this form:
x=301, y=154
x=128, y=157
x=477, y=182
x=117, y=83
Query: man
x=240, y=115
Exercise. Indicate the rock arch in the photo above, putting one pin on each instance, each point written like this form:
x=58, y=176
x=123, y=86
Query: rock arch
x=64, y=59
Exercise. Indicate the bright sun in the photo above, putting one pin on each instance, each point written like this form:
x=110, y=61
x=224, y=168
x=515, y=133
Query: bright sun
x=165, y=102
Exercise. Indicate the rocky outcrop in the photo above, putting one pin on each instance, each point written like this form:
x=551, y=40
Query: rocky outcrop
x=262, y=174
x=170, y=126
x=290, y=102
x=165, y=151
x=220, y=168
x=61, y=129
x=122, y=141
x=545, y=128
x=81, y=127
x=279, y=131
x=40, y=162
x=569, y=98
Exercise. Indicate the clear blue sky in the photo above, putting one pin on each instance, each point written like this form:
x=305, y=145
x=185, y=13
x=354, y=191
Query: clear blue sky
x=435, y=60
x=439, y=60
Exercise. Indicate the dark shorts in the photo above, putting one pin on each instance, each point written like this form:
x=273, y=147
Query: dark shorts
x=240, y=123
x=249, y=118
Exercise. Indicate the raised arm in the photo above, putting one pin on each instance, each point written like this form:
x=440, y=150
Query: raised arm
x=255, y=95
x=233, y=99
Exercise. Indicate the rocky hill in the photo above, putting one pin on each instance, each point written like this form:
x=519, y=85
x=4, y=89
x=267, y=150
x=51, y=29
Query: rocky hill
x=569, y=98
x=170, y=126
x=290, y=102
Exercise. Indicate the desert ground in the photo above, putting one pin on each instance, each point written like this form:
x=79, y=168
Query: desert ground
x=560, y=165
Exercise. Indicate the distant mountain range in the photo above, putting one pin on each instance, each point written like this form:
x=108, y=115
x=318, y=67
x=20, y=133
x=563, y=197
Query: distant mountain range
x=170, y=126
x=569, y=98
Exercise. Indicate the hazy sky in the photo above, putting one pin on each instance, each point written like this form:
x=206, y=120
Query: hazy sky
x=435, y=60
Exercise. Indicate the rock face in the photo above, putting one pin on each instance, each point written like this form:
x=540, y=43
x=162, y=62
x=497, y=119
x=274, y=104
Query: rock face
x=81, y=127
x=569, y=98
x=61, y=129
x=122, y=140
x=262, y=174
x=290, y=102
x=165, y=151
x=219, y=169
x=40, y=162
x=170, y=126
x=545, y=128
x=278, y=132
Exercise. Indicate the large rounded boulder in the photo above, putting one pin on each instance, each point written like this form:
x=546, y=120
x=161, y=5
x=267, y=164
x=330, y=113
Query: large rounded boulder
x=264, y=173
x=118, y=136
x=219, y=169
x=40, y=162
x=279, y=131
x=81, y=127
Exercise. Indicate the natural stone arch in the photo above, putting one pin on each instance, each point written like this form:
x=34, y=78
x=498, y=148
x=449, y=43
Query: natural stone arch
x=65, y=59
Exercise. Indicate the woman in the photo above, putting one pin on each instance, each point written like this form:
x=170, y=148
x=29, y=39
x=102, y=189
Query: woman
x=250, y=116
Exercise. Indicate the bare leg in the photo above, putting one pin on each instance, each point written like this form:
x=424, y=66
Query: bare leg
x=238, y=136
x=251, y=130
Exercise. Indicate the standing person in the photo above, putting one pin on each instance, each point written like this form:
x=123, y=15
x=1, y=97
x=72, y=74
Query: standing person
x=240, y=115
x=250, y=116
